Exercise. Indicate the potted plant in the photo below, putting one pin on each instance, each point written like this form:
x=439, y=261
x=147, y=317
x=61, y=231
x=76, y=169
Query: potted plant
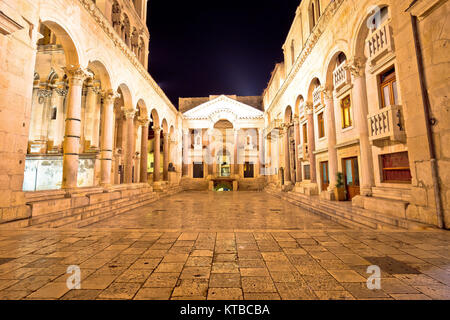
x=340, y=192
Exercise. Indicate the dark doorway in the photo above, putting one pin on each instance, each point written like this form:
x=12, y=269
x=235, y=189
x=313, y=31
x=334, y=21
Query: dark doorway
x=351, y=177
x=198, y=170
x=249, y=170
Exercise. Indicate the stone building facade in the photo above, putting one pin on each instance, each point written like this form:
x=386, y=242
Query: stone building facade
x=77, y=131
x=357, y=95
x=360, y=101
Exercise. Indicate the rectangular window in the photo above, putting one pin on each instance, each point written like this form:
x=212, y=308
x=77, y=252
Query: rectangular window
x=248, y=170
x=307, y=172
x=321, y=125
x=396, y=168
x=388, y=88
x=346, y=108
x=198, y=170
x=54, y=113
x=305, y=133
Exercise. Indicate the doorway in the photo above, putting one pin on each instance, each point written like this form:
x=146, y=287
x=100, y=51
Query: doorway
x=351, y=177
x=324, y=176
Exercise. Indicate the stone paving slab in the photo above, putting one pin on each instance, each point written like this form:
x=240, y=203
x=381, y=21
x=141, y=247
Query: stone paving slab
x=320, y=260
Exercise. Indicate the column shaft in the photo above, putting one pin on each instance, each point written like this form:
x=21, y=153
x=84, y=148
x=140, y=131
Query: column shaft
x=157, y=155
x=76, y=77
x=331, y=136
x=298, y=171
x=129, y=115
x=287, y=158
x=311, y=146
x=166, y=157
x=144, y=152
x=107, y=137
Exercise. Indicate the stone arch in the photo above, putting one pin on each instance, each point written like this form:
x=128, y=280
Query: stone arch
x=315, y=82
x=333, y=62
x=358, y=47
x=155, y=118
x=288, y=114
x=141, y=107
x=298, y=104
x=164, y=126
x=126, y=96
x=101, y=73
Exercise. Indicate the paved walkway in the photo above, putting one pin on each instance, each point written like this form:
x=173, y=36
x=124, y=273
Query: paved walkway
x=223, y=246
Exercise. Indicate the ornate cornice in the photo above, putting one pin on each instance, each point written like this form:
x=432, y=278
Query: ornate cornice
x=310, y=43
x=103, y=22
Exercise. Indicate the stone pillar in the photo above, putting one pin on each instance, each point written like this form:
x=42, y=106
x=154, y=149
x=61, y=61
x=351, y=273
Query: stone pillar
x=107, y=136
x=360, y=107
x=287, y=158
x=91, y=101
x=298, y=166
x=331, y=136
x=166, y=156
x=129, y=116
x=186, y=149
x=144, y=151
x=311, y=141
x=76, y=76
x=61, y=98
x=157, y=155
x=235, y=160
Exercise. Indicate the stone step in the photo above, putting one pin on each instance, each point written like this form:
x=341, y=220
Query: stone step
x=392, y=193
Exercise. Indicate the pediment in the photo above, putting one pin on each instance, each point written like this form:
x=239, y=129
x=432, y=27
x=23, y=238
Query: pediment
x=223, y=108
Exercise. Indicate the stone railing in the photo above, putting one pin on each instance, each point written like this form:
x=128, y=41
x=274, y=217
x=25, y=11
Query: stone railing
x=387, y=124
x=317, y=97
x=340, y=76
x=379, y=43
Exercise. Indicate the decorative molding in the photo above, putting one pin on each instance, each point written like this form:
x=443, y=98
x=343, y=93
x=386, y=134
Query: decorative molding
x=107, y=27
x=309, y=45
x=8, y=25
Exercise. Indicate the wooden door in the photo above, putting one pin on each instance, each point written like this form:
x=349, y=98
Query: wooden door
x=351, y=177
x=324, y=176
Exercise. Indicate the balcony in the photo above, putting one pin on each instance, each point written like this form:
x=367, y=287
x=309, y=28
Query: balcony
x=317, y=97
x=379, y=43
x=341, y=76
x=387, y=124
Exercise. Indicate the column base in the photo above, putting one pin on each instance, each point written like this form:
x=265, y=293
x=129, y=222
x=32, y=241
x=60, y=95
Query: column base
x=366, y=191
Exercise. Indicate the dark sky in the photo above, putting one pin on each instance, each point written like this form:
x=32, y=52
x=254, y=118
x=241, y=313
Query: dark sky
x=198, y=48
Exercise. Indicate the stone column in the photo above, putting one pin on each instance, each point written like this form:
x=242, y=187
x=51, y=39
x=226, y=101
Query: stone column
x=107, y=136
x=144, y=150
x=298, y=166
x=360, y=107
x=236, y=149
x=186, y=148
x=76, y=77
x=91, y=101
x=59, y=135
x=331, y=136
x=287, y=158
x=311, y=141
x=166, y=156
x=129, y=116
x=157, y=155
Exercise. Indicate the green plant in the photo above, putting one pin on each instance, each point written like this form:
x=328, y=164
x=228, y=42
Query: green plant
x=340, y=180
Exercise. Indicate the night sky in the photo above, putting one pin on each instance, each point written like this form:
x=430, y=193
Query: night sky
x=198, y=48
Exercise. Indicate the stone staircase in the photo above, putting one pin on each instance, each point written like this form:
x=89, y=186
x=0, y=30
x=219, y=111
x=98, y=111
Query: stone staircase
x=83, y=207
x=347, y=214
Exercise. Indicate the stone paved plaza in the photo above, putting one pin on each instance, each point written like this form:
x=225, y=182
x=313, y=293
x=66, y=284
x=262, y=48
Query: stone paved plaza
x=224, y=246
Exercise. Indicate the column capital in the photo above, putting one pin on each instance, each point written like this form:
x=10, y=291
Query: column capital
x=129, y=113
x=110, y=95
x=327, y=92
x=76, y=74
x=144, y=121
x=309, y=107
x=356, y=66
x=157, y=129
x=61, y=92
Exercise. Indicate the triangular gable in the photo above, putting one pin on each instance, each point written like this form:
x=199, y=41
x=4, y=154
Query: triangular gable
x=221, y=105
